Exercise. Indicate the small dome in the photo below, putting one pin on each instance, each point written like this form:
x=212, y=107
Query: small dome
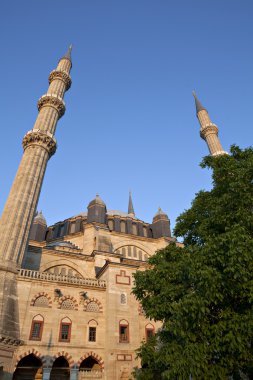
x=97, y=201
x=39, y=218
x=160, y=214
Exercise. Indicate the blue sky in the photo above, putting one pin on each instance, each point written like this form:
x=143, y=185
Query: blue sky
x=130, y=121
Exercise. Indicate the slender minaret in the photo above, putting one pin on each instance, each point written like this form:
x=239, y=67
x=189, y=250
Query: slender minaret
x=130, y=205
x=39, y=145
x=208, y=130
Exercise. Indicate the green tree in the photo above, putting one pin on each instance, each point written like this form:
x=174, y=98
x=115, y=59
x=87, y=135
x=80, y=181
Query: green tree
x=203, y=292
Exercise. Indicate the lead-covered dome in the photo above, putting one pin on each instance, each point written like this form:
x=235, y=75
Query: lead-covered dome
x=96, y=201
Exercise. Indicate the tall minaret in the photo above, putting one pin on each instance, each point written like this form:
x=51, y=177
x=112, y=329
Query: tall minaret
x=39, y=145
x=208, y=130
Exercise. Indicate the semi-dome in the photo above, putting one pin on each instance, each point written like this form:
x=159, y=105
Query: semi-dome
x=65, y=244
x=97, y=201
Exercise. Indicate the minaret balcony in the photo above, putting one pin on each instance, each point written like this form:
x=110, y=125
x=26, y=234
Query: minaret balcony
x=52, y=100
x=60, y=75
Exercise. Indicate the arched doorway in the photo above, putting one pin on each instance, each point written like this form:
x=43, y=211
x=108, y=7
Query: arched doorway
x=60, y=369
x=28, y=368
x=90, y=364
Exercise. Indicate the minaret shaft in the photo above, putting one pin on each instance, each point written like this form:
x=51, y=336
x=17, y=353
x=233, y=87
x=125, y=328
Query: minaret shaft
x=22, y=202
x=39, y=145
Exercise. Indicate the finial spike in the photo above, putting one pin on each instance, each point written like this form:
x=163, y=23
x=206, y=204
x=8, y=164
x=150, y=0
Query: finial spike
x=68, y=54
x=130, y=205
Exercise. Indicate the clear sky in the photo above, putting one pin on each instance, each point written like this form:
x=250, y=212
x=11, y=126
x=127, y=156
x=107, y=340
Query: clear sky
x=130, y=121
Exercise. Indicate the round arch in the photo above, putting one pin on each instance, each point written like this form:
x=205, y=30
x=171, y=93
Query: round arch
x=28, y=367
x=60, y=369
x=93, y=355
x=41, y=294
x=139, y=245
x=34, y=352
x=62, y=262
x=66, y=355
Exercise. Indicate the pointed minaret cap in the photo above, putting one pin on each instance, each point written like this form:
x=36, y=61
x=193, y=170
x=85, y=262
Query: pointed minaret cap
x=130, y=205
x=68, y=54
x=198, y=105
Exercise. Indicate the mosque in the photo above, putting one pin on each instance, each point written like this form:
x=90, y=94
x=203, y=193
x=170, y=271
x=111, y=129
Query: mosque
x=67, y=311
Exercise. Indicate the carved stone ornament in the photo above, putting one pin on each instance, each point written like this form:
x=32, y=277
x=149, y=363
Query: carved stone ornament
x=53, y=101
x=40, y=138
x=9, y=341
x=61, y=75
x=207, y=130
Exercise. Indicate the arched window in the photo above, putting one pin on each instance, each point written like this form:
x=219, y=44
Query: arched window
x=140, y=255
x=149, y=331
x=68, y=304
x=123, y=299
x=92, y=333
x=93, y=306
x=37, y=327
x=122, y=226
x=65, y=330
x=134, y=228
x=123, y=331
x=111, y=224
x=72, y=228
x=41, y=301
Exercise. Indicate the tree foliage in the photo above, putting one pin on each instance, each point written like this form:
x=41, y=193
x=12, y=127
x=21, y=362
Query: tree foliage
x=203, y=292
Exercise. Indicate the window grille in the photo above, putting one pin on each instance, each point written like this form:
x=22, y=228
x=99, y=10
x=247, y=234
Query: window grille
x=68, y=304
x=92, y=334
x=123, y=299
x=41, y=301
x=65, y=332
x=93, y=306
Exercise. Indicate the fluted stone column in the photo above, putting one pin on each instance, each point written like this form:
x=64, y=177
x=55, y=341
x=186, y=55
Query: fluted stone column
x=208, y=130
x=39, y=145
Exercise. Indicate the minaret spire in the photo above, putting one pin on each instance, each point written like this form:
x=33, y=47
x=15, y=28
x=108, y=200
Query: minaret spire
x=130, y=205
x=198, y=105
x=68, y=54
x=208, y=130
x=39, y=145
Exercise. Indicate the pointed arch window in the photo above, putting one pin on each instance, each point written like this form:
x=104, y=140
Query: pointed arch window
x=36, y=327
x=65, y=330
x=92, y=337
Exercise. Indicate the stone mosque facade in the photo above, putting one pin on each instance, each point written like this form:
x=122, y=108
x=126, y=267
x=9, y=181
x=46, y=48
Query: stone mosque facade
x=67, y=311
